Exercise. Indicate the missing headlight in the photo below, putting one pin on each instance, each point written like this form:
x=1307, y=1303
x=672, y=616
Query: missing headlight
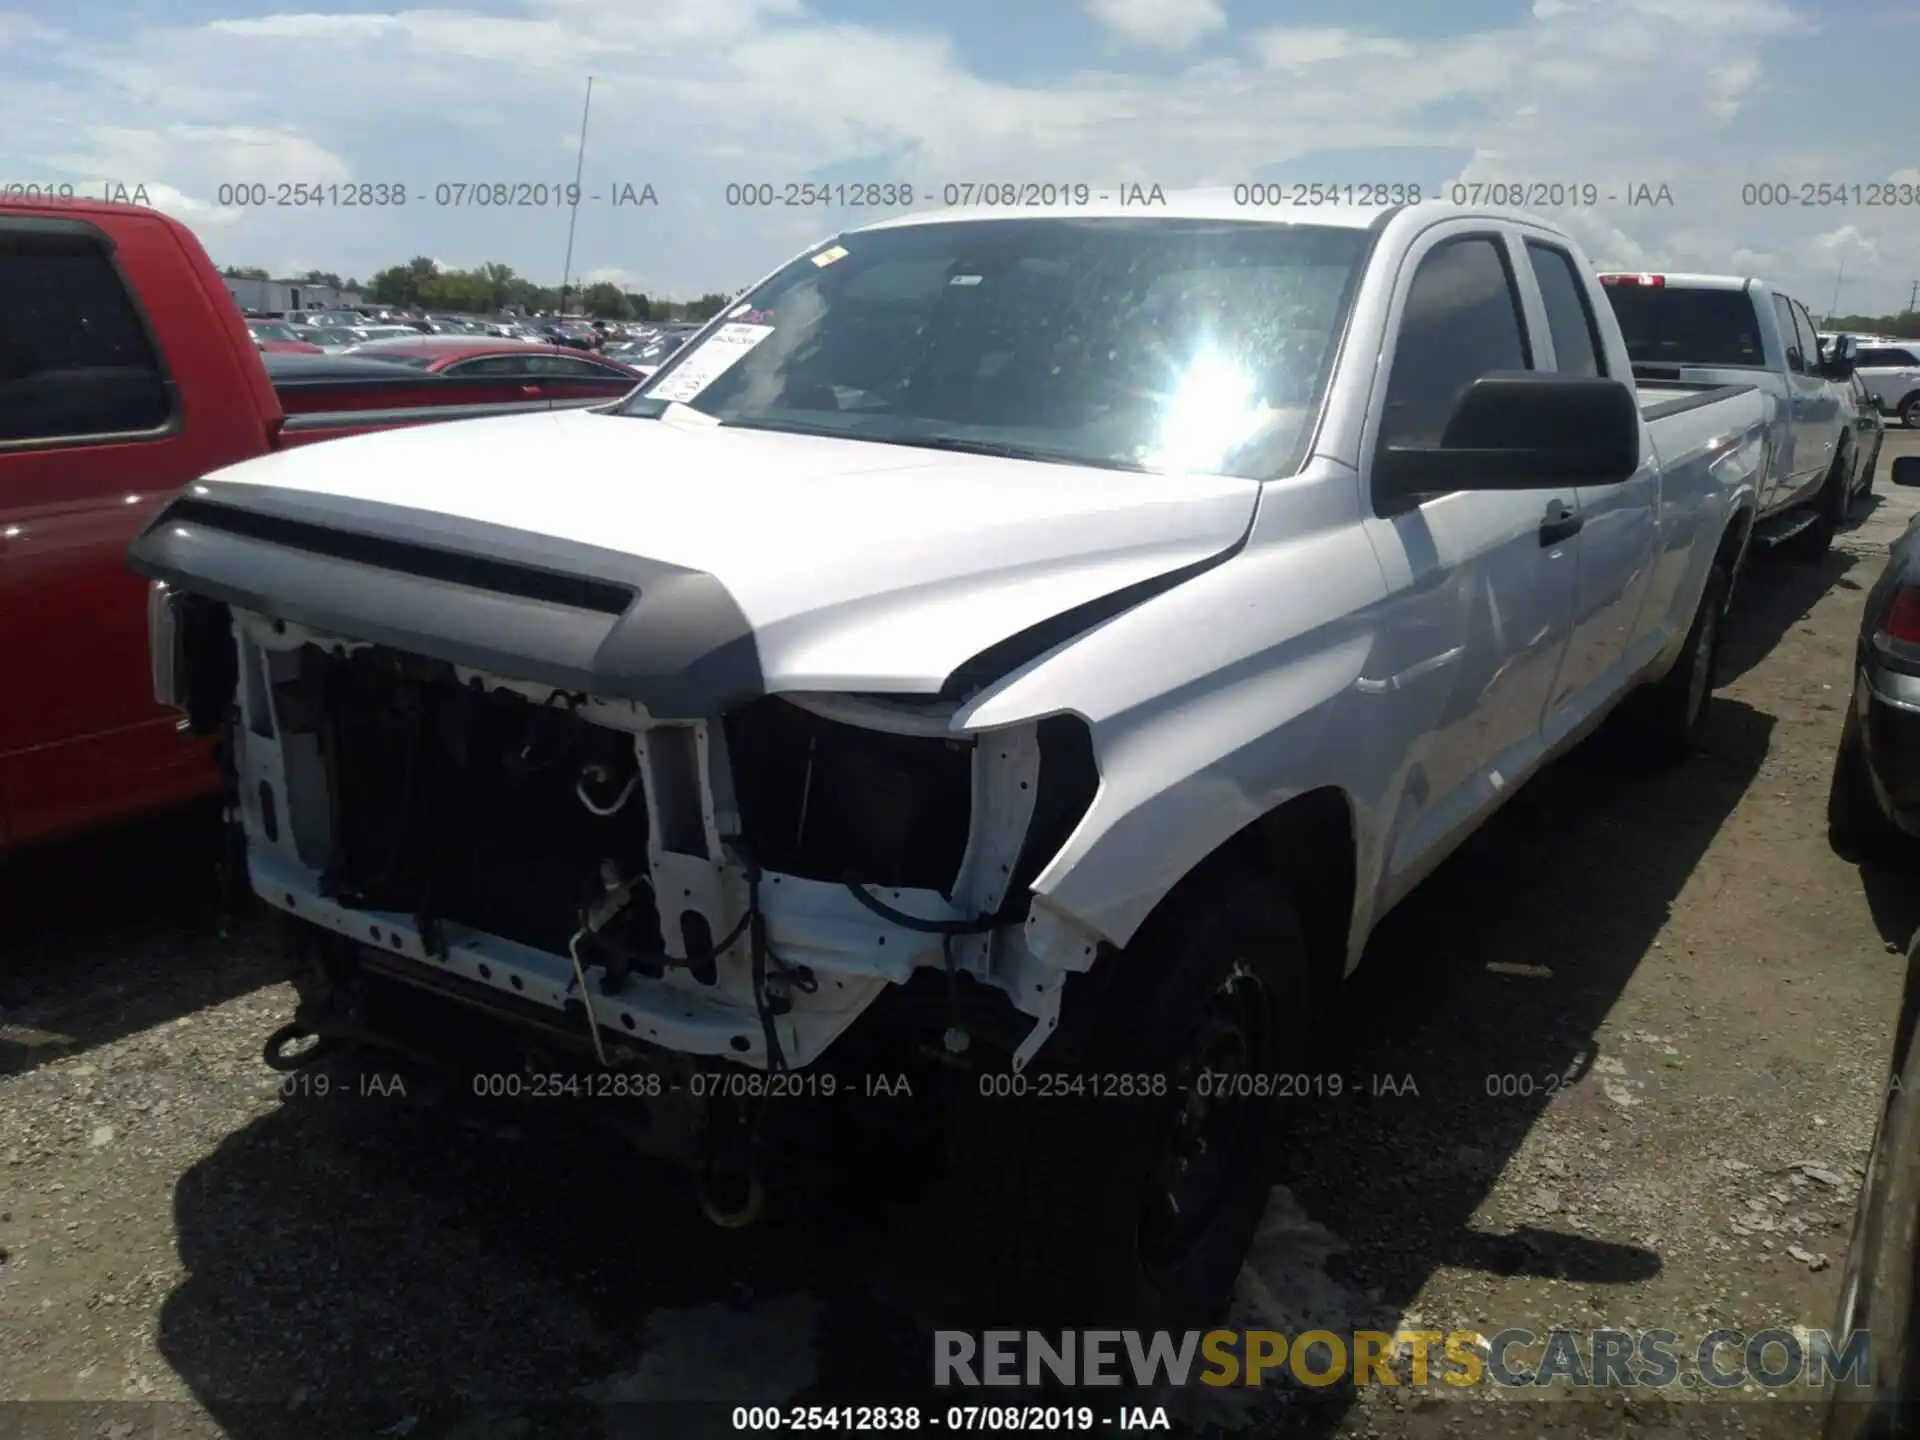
x=824, y=800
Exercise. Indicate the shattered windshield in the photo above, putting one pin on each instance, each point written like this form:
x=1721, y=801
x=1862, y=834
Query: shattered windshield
x=1159, y=344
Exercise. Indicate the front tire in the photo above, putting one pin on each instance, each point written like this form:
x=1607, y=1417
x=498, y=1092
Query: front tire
x=1138, y=1213
x=1665, y=722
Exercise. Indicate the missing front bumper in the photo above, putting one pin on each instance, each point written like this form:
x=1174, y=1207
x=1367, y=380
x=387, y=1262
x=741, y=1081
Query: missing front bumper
x=439, y=855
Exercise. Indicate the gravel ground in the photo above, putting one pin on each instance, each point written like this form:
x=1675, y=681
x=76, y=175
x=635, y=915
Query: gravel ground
x=1635, y=1034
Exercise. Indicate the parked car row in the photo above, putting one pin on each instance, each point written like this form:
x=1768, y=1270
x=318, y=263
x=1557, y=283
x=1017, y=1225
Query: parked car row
x=335, y=332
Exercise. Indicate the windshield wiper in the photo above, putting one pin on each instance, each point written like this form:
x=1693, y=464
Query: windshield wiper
x=960, y=445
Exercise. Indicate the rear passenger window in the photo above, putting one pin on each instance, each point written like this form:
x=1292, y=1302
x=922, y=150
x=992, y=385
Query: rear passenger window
x=1789, y=337
x=74, y=360
x=1576, y=343
x=1809, y=337
x=1461, y=321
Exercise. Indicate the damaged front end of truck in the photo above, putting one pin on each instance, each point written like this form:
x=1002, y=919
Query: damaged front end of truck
x=684, y=890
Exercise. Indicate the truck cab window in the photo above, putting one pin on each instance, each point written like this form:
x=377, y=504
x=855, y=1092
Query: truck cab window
x=1789, y=335
x=1804, y=328
x=1462, y=320
x=74, y=360
x=1576, y=341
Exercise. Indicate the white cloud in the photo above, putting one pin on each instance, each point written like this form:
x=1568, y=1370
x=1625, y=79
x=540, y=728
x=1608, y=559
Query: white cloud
x=1297, y=48
x=1701, y=95
x=1160, y=24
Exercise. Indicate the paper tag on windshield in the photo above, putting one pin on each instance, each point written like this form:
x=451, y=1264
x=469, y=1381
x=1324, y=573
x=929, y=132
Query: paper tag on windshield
x=717, y=354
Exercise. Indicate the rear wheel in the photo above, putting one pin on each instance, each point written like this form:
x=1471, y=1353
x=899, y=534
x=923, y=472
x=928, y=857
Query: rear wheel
x=1910, y=411
x=1857, y=828
x=1137, y=1211
x=1665, y=722
x=1830, y=509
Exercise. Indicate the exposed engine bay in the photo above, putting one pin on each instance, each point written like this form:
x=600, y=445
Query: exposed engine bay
x=744, y=887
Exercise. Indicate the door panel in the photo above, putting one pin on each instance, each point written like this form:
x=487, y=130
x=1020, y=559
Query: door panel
x=1481, y=599
x=1810, y=455
x=1620, y=534
x=1827, y=405
x=81, y=738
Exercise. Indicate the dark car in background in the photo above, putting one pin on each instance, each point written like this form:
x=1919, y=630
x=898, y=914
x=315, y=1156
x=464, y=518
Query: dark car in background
x=1873, y=803
x=547, y=371
x=1878, y=1292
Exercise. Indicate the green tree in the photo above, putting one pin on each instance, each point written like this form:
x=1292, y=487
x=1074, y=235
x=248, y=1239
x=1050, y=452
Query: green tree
x=323, y=277
x=605, y=301
x=1905, y=325
x=707, y=306
x=245, y=272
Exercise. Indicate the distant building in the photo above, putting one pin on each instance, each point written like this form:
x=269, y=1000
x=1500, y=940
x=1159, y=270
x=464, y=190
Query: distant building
x=276, y=295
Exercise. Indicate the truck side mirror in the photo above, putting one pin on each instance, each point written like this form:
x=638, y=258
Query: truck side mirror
x=1520, y=430
x=1841, y=358
x=1906, y=471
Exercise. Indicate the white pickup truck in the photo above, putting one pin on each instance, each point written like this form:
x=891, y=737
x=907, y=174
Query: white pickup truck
x=1731, y=330
x=1038, y=647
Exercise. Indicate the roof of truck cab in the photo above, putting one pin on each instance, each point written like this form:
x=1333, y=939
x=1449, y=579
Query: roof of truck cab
x=1111, y=204
x=85, y=207
x=1218, y=203
x=1676, y=281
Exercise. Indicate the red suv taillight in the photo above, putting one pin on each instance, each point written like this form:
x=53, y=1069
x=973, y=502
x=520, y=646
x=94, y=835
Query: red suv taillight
x=1658, y=282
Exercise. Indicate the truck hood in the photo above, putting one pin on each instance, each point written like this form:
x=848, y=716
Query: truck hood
x=684, y=564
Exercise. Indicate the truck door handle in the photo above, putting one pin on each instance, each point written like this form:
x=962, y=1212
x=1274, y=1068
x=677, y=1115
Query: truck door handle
x=1560, y=524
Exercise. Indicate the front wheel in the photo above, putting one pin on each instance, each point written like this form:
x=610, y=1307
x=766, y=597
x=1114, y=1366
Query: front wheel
x=1137, y=1211
x=1665, y=722
x=1868, y=470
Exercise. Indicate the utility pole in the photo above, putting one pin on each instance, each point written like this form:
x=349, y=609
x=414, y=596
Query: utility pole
x=1913, y=298
x=1839, y=275
x=573, y=218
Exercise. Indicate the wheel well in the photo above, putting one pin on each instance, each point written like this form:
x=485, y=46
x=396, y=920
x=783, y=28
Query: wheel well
x=1306, y=846
x=1733, y=544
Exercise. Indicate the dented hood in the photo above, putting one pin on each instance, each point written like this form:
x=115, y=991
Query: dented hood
x=687, y=565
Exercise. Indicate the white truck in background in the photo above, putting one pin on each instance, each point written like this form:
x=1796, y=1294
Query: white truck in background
x=1037, y=647
x=1733, y=330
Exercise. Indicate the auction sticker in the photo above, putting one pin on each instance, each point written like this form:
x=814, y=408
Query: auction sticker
x=717, y=354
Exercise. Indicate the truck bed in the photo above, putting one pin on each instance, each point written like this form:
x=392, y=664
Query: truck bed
x=1707, y=435
x=1675, y=397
